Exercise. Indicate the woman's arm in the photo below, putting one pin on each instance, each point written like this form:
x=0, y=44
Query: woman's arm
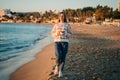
x=53, y=32
x=69, y=31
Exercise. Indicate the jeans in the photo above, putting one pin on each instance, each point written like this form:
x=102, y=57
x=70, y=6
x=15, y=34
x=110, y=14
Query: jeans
x=61, y=49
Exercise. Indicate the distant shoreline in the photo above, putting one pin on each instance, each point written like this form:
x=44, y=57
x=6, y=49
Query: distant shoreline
x=28, y=23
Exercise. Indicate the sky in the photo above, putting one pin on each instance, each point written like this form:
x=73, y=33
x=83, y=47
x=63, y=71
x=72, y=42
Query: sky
x=59, y=5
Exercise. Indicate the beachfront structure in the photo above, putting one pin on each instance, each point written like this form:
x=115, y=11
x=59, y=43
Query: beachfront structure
x=5, y=12
x=119, y=5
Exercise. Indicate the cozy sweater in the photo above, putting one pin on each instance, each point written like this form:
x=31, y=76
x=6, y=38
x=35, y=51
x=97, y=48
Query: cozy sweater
x=61, y=32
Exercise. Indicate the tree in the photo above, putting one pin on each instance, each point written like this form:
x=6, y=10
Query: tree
x=116, y=14
x=79, y=12
x=88, y=11
x=103, y=12
x=36, y=15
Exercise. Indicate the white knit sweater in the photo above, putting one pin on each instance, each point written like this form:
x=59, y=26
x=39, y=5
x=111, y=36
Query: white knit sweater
x=61, y=32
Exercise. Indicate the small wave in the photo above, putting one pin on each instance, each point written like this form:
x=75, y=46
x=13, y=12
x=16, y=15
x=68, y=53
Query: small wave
x=38, y=39
x=6, y=38
x=5, y=44
x=12, y=48
x=4, y=50
x=7, y=58
x=19, y=47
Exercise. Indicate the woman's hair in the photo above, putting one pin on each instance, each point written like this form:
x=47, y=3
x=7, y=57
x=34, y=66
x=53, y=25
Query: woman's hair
x=65, y=19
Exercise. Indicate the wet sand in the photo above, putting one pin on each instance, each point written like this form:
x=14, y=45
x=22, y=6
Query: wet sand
x=37, y=69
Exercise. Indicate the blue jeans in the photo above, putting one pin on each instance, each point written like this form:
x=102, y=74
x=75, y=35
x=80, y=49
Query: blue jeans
x=61, y=49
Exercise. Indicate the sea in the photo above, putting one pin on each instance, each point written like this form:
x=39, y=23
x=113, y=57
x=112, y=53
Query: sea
x=19, y=44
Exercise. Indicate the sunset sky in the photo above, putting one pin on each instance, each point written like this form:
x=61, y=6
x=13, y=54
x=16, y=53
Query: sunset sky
x=42, y=5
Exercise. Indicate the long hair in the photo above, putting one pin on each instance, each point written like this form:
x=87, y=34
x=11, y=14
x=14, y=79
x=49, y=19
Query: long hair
x=65, y=19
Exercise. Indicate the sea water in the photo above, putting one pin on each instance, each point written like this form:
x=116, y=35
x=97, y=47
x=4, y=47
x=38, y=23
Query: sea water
x=19, y=43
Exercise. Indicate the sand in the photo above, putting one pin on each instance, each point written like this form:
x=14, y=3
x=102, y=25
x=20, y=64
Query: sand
x=93, y=55
x=38, y=69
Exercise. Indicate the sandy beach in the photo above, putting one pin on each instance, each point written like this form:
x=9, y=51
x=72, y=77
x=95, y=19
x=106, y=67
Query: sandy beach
x=38, y=69
x=93, y=54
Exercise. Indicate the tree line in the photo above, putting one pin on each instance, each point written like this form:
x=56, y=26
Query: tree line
x=73, y=15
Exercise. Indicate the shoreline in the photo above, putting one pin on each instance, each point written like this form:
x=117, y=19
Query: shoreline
x=37, y=69
x=50, y=24
x=10, y=66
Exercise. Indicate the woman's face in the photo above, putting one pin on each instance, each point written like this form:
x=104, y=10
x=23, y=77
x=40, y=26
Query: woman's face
x=61, y=17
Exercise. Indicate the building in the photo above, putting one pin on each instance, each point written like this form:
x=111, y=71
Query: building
x=5, y=12
x=119, y=5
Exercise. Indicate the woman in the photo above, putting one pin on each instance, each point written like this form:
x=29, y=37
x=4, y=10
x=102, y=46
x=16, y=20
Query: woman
x=61, y=33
